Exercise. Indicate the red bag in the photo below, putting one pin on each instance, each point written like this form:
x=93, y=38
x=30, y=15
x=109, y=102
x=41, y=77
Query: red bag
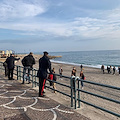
x=50, y=77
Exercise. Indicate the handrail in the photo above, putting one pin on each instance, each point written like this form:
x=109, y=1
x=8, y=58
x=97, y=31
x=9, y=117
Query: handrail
x=73, y=89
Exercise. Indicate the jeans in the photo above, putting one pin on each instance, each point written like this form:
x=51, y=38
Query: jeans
x=26, y=71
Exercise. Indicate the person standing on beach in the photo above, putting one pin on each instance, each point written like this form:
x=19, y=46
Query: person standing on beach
x=81, y=67
x=73, y=74
x=108, y=69
x=11, y=64
x=44, y=65
x=60, y=71
x=119, y=70
x=102, y=68
x=114, y=70
x=54, y=78
x=28, y=62
x=83, y=78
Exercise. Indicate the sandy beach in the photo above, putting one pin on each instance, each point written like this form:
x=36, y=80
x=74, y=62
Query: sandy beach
x=91, y=74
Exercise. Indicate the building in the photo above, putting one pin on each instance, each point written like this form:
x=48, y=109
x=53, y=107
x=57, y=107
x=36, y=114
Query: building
x=4, y=54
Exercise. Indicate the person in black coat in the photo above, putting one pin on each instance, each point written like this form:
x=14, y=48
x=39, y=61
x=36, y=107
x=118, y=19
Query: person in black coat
x=28, y=62
x=11, y=64
x=44, y=64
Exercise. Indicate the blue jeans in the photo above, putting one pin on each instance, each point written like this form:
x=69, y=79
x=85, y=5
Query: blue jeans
x=26, y=71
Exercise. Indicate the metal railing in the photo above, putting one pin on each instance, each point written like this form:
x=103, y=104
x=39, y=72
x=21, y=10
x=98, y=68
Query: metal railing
x=75, y=90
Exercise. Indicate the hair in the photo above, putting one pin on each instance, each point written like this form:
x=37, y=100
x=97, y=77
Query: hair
x=30, y=53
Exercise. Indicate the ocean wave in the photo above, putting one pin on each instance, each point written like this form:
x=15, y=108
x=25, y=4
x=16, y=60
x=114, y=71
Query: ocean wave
x=77, y=64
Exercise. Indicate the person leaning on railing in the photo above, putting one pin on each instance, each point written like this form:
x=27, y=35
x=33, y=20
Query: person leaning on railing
x=11, y=64
x=28, y=62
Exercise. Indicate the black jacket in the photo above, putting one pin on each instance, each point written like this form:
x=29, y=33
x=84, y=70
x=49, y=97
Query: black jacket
x=28, y=61
x=44, y=64
x=11, y=62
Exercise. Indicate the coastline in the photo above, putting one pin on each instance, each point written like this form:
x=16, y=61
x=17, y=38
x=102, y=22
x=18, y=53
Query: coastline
x=91, y=74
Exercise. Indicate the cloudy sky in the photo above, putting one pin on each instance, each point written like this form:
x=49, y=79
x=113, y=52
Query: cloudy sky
x=59, y=25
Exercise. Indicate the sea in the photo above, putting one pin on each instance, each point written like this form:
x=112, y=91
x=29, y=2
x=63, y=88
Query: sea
x=89, y=58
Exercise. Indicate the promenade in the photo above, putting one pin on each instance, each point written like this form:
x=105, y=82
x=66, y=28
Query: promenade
x=21, y=102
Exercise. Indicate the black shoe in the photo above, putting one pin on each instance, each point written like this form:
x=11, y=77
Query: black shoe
x=22, y=83
x=29, y=82
x=42, y=96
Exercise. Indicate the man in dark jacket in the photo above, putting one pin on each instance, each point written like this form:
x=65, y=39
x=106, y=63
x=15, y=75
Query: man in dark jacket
x=11, y=64
x=44, y=64
x=27, y=62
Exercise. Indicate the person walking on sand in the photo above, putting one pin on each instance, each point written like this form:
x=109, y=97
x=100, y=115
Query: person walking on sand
x=11, y=64
x=60, y=71
x=44, y=65
x=28, y=62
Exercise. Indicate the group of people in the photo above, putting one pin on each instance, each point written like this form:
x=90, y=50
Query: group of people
x=28, y=62
x=110, y=69
x=44, y=64
x=73, y=74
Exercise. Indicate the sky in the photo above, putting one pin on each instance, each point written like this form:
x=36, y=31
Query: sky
x=59, y=25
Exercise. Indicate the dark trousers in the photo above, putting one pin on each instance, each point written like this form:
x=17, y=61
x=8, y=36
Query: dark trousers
x=41, y=86
x=10, y=74
x=6, y=71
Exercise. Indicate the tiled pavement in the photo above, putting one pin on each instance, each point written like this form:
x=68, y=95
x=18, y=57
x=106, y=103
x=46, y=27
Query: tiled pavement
x=20, y=102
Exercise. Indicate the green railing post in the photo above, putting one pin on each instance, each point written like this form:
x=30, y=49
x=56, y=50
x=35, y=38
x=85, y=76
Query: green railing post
x=35, y=78
x=17, y=73
x=32, y=79
x=75, y=94
x=71, y=83
x=78, y=94
x=20, y=72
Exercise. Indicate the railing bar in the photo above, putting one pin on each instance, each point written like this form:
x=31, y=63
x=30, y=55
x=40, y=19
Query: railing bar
x=100, y=96
x=59, y=91
x=59, y=83
x=118, y=115
x=118, y=88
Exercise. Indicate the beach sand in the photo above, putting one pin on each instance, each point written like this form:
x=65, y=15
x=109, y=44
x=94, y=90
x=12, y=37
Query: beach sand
x=91, y=74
